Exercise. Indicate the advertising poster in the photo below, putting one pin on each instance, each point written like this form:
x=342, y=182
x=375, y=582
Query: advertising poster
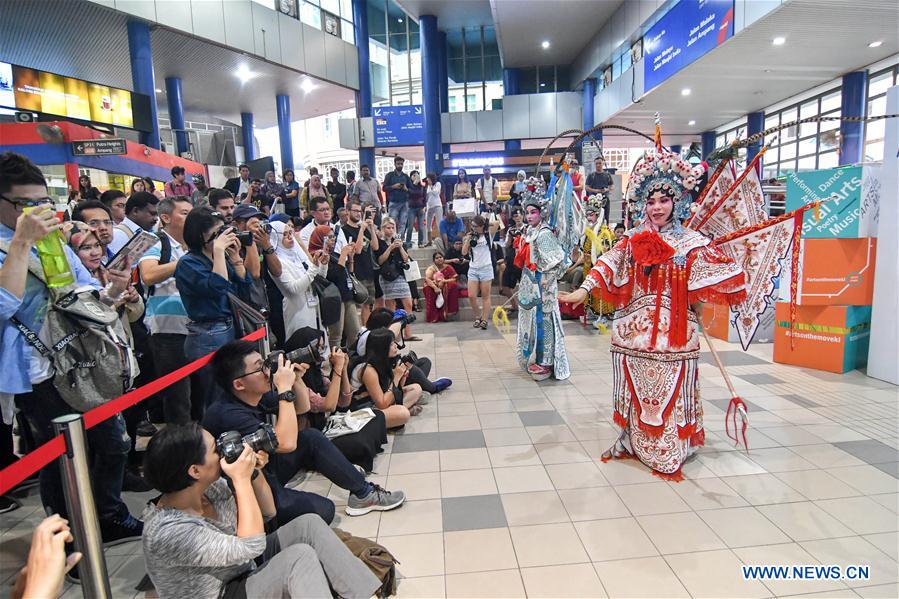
x=49, y=93
x=399, y=125
x=689, y=30
x=854, y=201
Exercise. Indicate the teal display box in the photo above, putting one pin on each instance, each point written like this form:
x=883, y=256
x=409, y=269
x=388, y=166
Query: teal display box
x=853, y=206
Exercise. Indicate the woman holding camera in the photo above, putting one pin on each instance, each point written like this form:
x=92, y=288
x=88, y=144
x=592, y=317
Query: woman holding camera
x=393, y=260
x=331, y=394
x=379, y=380
x=478, y=244
x=298, y=270
x=201, y=536
x=205, y=276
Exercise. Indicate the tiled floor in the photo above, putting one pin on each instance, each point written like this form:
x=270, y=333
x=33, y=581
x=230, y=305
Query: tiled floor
x=507, y=497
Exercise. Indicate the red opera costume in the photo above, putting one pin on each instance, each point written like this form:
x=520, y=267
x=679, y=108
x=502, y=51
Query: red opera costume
x=653, y=278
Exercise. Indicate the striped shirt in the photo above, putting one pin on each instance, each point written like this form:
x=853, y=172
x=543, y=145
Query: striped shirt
x=165, y=312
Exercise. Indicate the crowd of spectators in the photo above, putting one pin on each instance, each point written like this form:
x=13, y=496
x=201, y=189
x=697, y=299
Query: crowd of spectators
x=327, y=265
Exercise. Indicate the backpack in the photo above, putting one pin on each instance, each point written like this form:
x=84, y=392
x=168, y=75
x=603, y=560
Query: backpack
x=93, y=361
x=329, y=301
x=378, y=559
x=165, y=256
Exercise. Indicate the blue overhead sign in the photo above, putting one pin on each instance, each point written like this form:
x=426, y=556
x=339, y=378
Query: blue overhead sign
x=687, y=32
x=399, y=125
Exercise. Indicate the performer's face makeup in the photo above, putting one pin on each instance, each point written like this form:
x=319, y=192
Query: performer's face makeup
x=533, y=216
x=591, y=217
x=658, y=208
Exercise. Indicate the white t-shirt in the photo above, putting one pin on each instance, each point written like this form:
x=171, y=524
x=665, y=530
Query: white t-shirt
x=480, y=253
x=306, y=234
x=487, y=187
x=434, y=195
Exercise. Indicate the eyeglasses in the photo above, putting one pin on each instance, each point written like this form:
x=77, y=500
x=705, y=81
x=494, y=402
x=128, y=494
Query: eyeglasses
x=21, y=203
x=97, y=223
x=263, y=367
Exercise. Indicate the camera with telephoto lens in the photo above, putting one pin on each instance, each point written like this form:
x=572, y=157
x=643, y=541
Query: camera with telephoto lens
x=410, y=358
x=472, y=240
x=309, y=354
x=229, y=444
x=245, y=237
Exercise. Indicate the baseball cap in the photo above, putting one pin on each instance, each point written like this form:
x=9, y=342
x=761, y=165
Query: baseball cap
x=246, y=212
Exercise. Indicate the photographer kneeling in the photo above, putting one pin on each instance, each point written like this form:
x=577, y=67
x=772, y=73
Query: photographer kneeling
x=247, y=380
x=382, y=318
x=201, y=536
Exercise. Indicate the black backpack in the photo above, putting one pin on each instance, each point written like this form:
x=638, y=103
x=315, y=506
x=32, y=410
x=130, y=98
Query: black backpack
x=329, y=301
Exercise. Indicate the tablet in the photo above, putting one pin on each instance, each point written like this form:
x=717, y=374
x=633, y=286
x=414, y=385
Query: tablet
x=136, y=247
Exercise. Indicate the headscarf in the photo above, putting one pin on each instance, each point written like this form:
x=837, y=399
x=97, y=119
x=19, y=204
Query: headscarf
x=317, y=239
x=321, y=192
x=520, y=185
x=295, y=254
x=271, y=189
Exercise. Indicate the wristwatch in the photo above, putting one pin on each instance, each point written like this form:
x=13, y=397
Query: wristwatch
x=287, y=396
x=268, y=251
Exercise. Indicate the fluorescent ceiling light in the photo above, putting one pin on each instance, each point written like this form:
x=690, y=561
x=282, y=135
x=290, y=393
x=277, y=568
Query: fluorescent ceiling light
x=545, y=44
x=691, y=123
x=158, y=91
x=876, y=44
x=779, y=41
x=685, y=92
x=244, y=73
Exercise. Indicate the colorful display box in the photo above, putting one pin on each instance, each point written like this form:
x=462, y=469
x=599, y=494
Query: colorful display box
x=717, y=321
x=833, y=272
x=853, y=210
x=831, y=338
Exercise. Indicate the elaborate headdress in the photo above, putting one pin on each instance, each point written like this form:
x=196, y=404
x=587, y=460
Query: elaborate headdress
x=534, y=193
x=595, y=204
x=667, y=172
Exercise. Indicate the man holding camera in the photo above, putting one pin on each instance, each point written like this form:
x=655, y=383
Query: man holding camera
x=362, y=222
x=248, y=380
x=397, y=185
x=600, y=182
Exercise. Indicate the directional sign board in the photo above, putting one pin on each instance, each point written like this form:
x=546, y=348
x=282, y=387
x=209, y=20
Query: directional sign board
x=99, y=147
x=689, y=30
x=399, y=125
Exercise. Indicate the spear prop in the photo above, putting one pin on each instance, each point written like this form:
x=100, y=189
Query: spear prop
x=736, y=407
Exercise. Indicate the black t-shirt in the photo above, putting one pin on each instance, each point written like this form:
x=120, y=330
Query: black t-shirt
x=461, y=269
x=338, y=192
x=363, y=262
x=339, y=275
x=599, y=180
x=395, y=258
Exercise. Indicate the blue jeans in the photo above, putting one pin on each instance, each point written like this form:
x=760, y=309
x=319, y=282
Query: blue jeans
x=314, y=452
x=416, y=215
x=204, y=338
x=108, y=443
x=399, y=212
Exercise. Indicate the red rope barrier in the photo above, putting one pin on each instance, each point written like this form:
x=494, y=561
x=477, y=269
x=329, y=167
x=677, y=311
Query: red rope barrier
x=52, y=449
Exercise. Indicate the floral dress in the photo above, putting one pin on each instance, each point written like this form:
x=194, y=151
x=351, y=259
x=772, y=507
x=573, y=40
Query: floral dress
x=653, y=279
x=541, y=340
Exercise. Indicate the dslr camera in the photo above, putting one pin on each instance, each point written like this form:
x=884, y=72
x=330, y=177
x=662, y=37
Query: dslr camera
x=245, y=237
x=403, y=317
x=310, y=354
x=229, y=444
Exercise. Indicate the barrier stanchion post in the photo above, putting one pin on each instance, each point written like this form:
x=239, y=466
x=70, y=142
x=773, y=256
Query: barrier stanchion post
x=82, y=511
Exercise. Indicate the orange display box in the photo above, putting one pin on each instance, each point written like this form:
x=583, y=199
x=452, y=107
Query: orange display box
x=831, y=338
x=834, y=272
x=717, y=321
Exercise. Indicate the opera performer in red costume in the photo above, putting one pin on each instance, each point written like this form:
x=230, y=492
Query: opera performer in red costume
x=656, y=276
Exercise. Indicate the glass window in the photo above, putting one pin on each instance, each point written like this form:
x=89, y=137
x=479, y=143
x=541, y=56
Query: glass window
x=831, y=101
x=879, y=84
x=828, y=160
x=527, y=80
x=346, y=9
x=809, y=163
x=266, y=3
x=808, y=147
x=332, y=6
x=348, y=32
x=563, y=79
x=473, y=102
x=311, y=14
x=547, y=79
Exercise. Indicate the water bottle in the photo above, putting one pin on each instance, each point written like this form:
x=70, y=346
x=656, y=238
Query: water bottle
x=57, y=270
